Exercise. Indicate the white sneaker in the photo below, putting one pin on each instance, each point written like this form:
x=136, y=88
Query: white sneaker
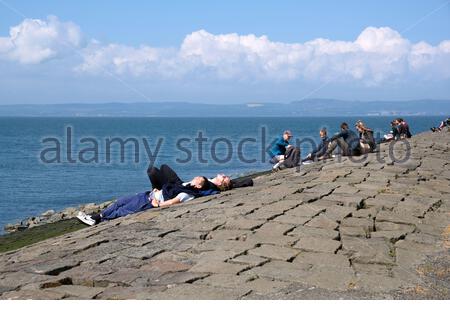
x=83, y=217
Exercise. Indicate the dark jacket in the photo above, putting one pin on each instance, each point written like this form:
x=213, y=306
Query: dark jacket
x=279, y=147
x=404, y=129
x=368, y=138
x=241, y=182
x=171, y=190
x=395, y=132
x=350, y=137
x=321, y=149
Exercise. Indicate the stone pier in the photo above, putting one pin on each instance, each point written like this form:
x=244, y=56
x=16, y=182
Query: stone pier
x=375, y=227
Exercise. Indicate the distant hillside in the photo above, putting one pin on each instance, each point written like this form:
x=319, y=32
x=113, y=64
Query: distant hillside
x=305, y=108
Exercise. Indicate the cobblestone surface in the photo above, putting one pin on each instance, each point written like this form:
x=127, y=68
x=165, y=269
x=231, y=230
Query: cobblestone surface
x=372, y=228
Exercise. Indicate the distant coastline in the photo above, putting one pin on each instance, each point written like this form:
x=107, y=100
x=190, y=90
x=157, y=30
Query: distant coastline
x=303, y=108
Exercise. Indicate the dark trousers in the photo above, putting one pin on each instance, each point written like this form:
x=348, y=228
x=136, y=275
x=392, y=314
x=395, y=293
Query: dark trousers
x=159, y=177
x=408, y=133
x=344, y=146
x=125, y=206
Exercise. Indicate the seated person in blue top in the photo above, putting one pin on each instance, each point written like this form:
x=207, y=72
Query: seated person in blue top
x=279, y=148
x=320, y=150
x=346, y=140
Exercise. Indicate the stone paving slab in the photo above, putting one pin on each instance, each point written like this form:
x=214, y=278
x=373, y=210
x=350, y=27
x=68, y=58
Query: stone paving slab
x=317, y=244
x=365, y=229
x=274, y=252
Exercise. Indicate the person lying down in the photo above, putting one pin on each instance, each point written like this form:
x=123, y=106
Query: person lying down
x=167, y=189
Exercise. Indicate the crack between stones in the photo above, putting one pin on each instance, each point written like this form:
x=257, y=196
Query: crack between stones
x=93, y=245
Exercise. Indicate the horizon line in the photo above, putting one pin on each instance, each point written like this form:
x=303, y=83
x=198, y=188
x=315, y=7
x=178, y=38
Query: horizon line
x=220, y=104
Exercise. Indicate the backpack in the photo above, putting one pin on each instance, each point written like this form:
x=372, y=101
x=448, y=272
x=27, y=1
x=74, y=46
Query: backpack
x=292, y=157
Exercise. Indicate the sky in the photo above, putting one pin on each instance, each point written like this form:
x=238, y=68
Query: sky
x=223, y=51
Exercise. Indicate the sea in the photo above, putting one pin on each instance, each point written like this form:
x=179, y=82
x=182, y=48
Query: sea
x=54, y=163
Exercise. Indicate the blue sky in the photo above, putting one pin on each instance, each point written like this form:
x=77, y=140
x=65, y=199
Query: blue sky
x=227, y=51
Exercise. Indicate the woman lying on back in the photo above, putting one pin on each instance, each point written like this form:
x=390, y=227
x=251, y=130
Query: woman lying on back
x=168, y=194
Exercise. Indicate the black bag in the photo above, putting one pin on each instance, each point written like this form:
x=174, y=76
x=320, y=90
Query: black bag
x=292, y=157
x=242, y=182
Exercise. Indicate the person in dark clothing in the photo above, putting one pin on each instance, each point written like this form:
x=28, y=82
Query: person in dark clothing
x=346, y=140
x=403, y=128
x=320, y=150
x=220, y=182
x=159, y=177
x=171, y=193
x=168, y=189
x=395, y=129
x=367, y=140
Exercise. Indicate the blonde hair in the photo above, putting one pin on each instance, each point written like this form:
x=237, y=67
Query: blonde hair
x=225, y=185
x=361, y=125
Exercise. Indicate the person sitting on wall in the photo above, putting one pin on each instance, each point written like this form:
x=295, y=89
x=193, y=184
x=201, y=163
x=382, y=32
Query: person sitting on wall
x=367, y=140
x=279, y=148
x=320, y=150
x=346, y=140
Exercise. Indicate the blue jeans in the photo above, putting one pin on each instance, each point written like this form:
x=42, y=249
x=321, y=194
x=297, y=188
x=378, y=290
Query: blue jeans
x=127, y=205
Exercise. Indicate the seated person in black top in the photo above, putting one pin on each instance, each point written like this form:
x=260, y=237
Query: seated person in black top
x=321, y=149
x=346, y=140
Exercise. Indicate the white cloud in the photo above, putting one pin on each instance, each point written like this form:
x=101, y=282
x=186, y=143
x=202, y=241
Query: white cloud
x=34, y=41
x=430, y=61
x=382, y=41
x=121, y=58
x=377, y=55
x=232, y=56
x=125, y=60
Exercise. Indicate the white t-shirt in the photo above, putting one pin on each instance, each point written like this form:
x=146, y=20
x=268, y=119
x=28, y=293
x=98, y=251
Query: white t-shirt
x=183, y=196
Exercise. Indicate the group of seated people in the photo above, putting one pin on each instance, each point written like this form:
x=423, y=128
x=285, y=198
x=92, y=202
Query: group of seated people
x=349, y=142
x=399, y=130
x=444, y=124
x=167, y=189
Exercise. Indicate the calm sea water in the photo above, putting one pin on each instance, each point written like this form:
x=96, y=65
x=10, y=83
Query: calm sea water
x=30, y=186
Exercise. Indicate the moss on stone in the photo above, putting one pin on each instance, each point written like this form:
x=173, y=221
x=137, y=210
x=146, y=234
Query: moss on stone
x=21, y=239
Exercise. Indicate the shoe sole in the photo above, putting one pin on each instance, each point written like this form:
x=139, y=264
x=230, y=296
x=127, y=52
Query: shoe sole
x=82, y=219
